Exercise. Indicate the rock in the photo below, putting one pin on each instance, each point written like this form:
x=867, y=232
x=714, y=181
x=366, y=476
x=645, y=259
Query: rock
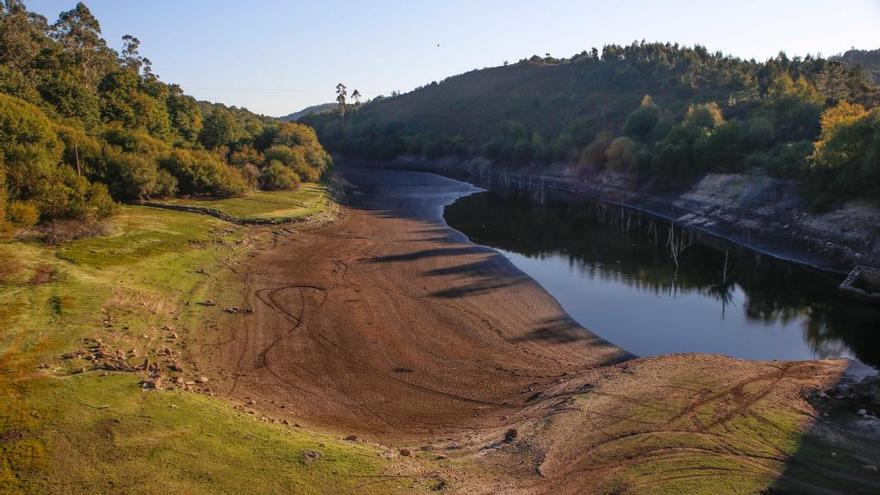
x=202, y=379
x=251, y=402
x=406, y=452
x=173, y=336
x=510, y=435
x=154, y=383
x=862, y=412
x=351, y=438
x=231, y=309
x=178, y=380
x=175, y=366
x=311, y=456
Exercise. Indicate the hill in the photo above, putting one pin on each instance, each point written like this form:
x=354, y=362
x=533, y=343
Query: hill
x=659, y=111
x=868, y=60
x=314, y=109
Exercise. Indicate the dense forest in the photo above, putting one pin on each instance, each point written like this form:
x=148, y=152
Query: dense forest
x=662, y=112
x=83, y=126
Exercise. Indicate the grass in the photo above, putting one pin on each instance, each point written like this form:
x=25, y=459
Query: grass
x=308, y=200
x=65, y=428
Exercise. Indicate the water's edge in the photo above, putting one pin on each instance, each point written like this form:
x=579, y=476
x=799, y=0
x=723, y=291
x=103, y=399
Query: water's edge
x=776, y=235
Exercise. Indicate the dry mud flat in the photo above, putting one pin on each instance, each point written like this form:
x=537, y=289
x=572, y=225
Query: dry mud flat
x=390, y=326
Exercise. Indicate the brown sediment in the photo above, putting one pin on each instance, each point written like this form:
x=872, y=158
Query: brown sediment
x=392, y=326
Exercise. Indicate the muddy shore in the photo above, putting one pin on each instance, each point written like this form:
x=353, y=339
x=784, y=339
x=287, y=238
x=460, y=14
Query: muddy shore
x=394, y=328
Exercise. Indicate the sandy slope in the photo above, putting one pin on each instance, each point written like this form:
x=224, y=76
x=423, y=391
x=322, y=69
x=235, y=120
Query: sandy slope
x=391, y=326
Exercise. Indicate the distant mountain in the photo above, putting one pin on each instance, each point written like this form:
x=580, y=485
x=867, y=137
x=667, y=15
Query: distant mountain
x=869, y=60
x=314, y=109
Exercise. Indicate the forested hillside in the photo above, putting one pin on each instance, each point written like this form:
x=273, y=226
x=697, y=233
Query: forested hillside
x=868, y=60
x=83, y=126
x=659, y=111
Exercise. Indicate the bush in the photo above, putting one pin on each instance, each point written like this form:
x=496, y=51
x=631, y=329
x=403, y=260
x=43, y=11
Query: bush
x=276, y=176
x=847, y=155
x=621, y=154
x=202, y=173
x=643, y=120
x=22, y=213
x=60, y=231
x=31, y=149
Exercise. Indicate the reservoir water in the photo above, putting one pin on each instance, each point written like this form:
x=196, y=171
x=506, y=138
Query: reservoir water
x=652, y=288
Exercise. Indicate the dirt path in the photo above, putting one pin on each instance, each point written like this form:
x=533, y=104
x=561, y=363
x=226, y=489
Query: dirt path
x=391, y=326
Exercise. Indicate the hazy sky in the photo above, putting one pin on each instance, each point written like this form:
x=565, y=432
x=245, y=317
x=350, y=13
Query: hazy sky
x=277, y=56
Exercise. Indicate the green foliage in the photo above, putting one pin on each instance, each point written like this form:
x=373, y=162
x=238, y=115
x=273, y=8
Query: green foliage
x=29, y=146
x=707, y=112
x=74, y=112
x=22, y=213
x=277, y=176
x=643, y=120
x=847, y=154
x=202, y=173
x=219, y=129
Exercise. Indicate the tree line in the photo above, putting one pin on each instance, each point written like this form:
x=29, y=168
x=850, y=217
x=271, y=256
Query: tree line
x=660, y=111
x=83, y=126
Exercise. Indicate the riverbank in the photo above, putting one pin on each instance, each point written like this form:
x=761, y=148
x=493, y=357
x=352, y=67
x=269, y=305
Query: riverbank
x=390, y=328
x=382, y=353
x=761, y=213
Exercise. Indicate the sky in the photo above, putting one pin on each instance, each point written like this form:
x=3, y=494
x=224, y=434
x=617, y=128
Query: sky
x=279, y=56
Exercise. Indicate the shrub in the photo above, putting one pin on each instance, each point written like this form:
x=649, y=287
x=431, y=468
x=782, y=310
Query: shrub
x=276, y=176
x=60, y=231
x=30, y=147
x=642, y=121
x=621, y=154
x=202, y=173
x=23, y=214
x=706, y=115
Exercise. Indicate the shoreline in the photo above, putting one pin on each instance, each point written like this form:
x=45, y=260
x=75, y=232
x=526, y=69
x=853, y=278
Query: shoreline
x=751, y=228
x=391, y=328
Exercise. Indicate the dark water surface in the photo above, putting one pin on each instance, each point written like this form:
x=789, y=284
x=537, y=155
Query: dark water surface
x=653, y=289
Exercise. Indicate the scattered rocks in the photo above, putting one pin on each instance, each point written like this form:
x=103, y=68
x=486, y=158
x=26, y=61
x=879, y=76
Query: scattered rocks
x=154, y=383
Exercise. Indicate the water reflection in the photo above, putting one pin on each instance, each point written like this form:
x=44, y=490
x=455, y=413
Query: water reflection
x=653, y=288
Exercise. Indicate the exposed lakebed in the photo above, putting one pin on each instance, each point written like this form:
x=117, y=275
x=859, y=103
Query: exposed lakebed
x=652, y=288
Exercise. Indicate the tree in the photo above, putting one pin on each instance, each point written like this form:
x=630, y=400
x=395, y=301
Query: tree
x=341, y=93
x=219, y=129
x=356, y=96
x=79, y=33
x=130, y=56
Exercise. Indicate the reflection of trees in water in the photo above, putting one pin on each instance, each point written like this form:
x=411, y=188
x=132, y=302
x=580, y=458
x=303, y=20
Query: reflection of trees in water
x=619, y=245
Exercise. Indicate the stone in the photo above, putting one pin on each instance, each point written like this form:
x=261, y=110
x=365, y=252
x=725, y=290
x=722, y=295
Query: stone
x=406, y=452
x=510, y=435
x=351, y=438
x=202, y=379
